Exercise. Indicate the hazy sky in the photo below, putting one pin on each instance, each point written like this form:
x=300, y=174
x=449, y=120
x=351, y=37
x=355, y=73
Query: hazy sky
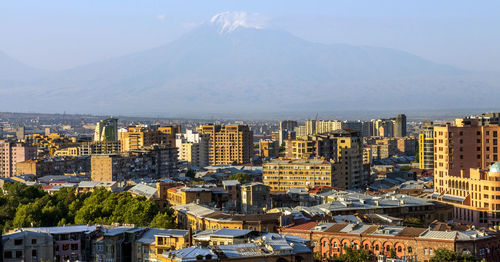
x=60, y=34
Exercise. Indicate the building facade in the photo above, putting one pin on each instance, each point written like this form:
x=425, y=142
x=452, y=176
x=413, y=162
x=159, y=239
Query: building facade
x=466, y=170
x=283, y=174
x=12, y=153
x=229, y=144
x=426, y=146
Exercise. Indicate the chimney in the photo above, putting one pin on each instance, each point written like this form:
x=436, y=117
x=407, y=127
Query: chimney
x=190, y=237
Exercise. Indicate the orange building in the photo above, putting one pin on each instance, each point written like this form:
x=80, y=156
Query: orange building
x=465, y=170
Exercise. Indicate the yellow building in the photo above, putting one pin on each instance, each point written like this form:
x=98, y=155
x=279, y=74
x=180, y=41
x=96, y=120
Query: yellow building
x=229, y=144
x=199, y=217
x=50, y=143
x=154, y=242
x=426, y=146
x=300, y=148
x=343, y=147
x=182, y=195
x=68, y=151
x=132, y=139
x=283, y=174
x=466, y=172
x=268, y=148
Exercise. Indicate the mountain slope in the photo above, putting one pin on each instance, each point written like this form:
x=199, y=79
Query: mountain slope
x=244, y=68
x=13, y=70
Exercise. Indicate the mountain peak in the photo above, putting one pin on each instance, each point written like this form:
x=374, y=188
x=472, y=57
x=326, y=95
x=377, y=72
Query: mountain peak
x=231, y=20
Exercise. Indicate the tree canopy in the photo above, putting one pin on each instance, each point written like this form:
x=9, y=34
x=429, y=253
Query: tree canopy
x=30, y=206
x=446, y=255
x=241, y=177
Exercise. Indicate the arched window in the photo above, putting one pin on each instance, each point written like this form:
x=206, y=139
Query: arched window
x=410, y=250
x=366, y=246
x=376, y=247
x=387, y=248
x=400, y=249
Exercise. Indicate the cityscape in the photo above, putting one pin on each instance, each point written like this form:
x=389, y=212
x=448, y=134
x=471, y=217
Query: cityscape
x=290, y=133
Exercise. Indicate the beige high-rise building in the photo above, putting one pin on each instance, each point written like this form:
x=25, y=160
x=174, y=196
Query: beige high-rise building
x=426, y=146
x=193, y=148
x=282, y=174
x=229, y=144
x=343, y=147
x=467, y=170
x=349, y=171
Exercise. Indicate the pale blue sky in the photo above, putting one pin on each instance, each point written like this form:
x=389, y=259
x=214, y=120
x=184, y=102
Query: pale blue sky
x=60, y=34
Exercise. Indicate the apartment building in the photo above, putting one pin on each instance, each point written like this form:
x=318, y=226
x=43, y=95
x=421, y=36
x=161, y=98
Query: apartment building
x=426, y=146
x=466, y=170
x=193, y=148
x=12, y=153
x=153, y=162
x=282, y=174
x=229, y=144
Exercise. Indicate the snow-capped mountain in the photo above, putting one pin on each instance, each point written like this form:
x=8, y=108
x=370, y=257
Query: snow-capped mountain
x=234, y=63
x=230, y=21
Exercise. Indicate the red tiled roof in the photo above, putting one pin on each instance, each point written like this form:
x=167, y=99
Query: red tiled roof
x=336, y=228
x=305, y=226
x=411, y=232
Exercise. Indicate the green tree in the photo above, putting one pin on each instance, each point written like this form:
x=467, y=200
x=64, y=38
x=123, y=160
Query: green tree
x=241, y=177
x=354, y=255
x=446, y=255
x=164, y=220
x=413, y=222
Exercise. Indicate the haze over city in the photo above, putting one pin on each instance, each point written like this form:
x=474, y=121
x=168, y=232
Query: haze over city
x=177, y=59
x=243, y=131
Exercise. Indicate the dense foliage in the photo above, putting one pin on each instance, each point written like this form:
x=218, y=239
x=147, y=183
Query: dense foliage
x=446, y=255
x=30, y=206
x=241, y=177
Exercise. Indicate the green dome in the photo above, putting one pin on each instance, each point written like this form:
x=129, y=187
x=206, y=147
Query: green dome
x=495, y=168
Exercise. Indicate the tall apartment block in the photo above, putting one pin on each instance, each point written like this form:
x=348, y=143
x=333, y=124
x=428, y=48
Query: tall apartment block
x=152, y=162
x=229, y=144
x=467, y=171
x=400, y=126
x=106, y=130
x=349, y=171
x=283, y=174
x=426, y=146
x=20, y=133
x=193, y=148
x=12, y=153
x=342, y=146
x=287, y=130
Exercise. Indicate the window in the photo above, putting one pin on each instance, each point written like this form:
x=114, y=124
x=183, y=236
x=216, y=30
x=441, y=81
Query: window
x=65, y=247
x=33, y=253
x=18, y=242
x=74, y=246
x=410, y=249
x=33, y=241
x=7, y=254
x=400, y=249
x=19, y=254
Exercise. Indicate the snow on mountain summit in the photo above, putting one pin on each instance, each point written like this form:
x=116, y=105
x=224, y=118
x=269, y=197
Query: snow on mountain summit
x=230, y=20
